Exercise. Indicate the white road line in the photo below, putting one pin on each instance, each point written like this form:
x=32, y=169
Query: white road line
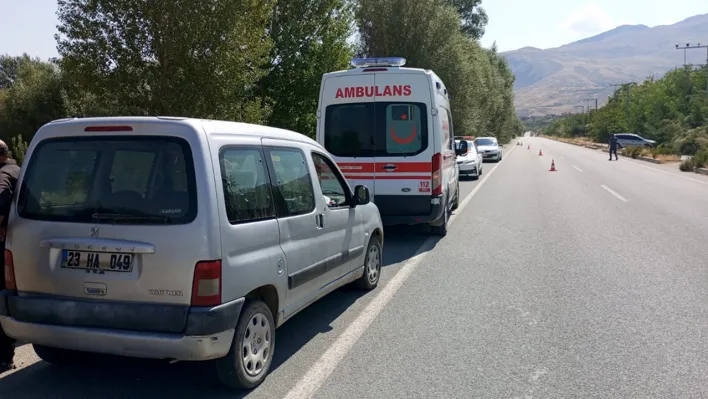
x=577, y=168
x=315, y=377
x=668, y=173
x=613, y=192
x=562, y=158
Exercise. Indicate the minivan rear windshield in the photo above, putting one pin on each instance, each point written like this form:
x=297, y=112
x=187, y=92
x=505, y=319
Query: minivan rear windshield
x=114, y=180
x=383, y=129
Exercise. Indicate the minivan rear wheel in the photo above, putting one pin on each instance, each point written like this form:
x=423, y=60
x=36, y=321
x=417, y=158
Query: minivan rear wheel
x=251, y=354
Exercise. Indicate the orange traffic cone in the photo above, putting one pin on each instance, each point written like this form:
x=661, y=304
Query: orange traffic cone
x=540, y=153
x=553, y=166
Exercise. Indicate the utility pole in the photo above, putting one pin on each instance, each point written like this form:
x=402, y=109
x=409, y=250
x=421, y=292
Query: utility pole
x=591, y=99
x=626, y=89
x=689, y=46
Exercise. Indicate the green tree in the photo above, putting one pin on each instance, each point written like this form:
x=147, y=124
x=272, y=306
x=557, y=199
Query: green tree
x=427, y=33
x=8, y=69
x=672, y=110
x=196, y=58
x=18, y=149
x=473, y=17
x=34, y=98
x=309, y=39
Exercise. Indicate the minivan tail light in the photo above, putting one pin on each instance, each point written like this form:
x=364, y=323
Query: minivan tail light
x=375, y=70
x=437, y=174
x=10, y=283
x=206, y=286
x=108, y=129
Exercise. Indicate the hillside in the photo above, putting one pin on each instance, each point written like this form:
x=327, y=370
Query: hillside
x=554, y=81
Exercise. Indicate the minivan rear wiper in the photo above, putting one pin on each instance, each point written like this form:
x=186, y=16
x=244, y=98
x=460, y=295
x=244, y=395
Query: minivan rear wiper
x=127, y=216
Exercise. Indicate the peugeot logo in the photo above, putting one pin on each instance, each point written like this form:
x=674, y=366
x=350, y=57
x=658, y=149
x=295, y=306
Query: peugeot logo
x=94, y=231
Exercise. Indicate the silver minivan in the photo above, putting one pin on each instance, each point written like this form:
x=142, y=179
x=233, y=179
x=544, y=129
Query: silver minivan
x=178, y=239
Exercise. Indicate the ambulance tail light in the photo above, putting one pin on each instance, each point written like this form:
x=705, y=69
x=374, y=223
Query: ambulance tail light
x=437, y=174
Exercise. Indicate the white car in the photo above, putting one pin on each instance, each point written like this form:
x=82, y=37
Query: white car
x=470, y=163
x=633, y=140
x=489, y=148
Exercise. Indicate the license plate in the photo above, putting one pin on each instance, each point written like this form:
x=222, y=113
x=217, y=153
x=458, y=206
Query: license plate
x=97, y=262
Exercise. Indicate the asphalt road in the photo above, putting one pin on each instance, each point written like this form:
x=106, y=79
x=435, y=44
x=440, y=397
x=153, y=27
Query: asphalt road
x=585, y=282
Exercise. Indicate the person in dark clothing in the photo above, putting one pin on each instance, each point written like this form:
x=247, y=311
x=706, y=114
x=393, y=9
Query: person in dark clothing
x=9, y=172
x=613, y=146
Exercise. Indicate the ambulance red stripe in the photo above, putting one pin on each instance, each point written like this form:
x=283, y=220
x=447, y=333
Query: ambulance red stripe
x=387, y=177
x=371, y=167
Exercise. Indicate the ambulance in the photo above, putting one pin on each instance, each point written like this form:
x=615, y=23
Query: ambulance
x=390, y=128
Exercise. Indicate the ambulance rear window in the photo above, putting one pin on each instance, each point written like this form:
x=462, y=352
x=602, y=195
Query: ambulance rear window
x=381, y=129
x=404, y=129
x=349, y=130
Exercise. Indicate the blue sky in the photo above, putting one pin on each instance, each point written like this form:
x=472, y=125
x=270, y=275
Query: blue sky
x=29, y=25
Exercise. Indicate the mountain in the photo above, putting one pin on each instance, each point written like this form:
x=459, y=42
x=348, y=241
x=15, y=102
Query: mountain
x=556, y=80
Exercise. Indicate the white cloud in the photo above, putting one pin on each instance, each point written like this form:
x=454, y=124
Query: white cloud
x=589, y=20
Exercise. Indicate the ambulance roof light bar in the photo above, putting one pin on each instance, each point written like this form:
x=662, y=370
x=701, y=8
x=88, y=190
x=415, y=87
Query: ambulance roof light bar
x=378, y=62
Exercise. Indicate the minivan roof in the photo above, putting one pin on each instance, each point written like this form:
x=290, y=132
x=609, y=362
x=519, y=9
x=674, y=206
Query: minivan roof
x=208, y=126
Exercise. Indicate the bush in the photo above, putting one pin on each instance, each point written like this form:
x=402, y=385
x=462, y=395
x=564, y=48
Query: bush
x=687, y=166
x=700, y=160
x=634, y=152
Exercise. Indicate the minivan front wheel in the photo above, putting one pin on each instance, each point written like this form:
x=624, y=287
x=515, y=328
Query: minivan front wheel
x=372, y=265
x=251, y=354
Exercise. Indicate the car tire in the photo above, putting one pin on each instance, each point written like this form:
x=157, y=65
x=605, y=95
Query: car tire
x=372, y=265
x=237, y=372
x=62, y=357
x=441, y=230
x=456, y=202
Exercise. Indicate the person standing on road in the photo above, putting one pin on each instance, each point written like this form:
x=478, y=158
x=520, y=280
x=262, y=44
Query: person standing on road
x=9, y=172
x=613, y=146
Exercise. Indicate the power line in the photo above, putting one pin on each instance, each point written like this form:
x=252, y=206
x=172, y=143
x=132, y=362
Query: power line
x=588, y=105
x=690, y=46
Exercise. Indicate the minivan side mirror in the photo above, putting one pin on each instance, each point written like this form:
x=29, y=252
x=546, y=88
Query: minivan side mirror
x=361, y=196
x=461, y=148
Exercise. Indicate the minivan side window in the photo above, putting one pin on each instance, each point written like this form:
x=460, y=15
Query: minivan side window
x=247, y=189
x=292, y=183
x=331, y=182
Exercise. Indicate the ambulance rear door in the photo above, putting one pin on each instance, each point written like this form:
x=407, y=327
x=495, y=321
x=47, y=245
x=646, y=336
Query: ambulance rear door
x=404, y=143
x=347, y=126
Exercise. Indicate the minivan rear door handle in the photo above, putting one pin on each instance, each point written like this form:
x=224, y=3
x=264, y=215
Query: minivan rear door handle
x=319, y=220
